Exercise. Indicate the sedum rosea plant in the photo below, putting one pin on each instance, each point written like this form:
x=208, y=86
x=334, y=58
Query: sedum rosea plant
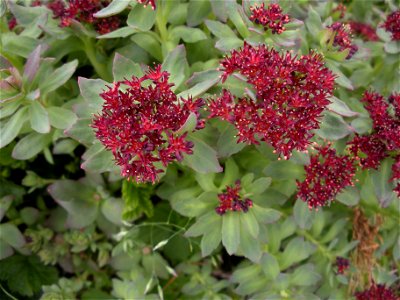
x=158, y=149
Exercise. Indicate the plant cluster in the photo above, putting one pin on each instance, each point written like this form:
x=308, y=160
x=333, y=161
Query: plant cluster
x=199, y=149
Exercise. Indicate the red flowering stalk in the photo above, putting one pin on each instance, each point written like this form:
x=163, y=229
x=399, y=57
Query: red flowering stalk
x=365, y=31
x=139, y=124
x=231, y=200
x=340, y=9
x=291, y=94
x=271, y=17
x=386, y=126
x=377, y=292
x=342, y=264
x=392, y=25
x=396, y=175
x=147, y=2
x=326, y=175
x=342, y=38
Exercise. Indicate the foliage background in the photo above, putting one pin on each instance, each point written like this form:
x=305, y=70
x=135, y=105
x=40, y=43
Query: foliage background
x=71, y=227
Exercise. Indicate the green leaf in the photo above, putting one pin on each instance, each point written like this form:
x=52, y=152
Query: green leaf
x=29, y=215
x=26, y=275
x=119, y=33
x=58, y=77
x=259, y=185
x=231, y=173
x=61, y=118
x=177, y=66
x=265, y=215
x=341, y=108
x=115, y=7
x=141, y=17
x=78, y=199
x=305, y=276
x=30, y=145
x=137, y=200
x=249, y=246
x=220, y=30
x=194, y=206
x=270, y=266
x=82, y=132
x=248, y=222
x=362, y=125
x=341, y=79
x=211, y=238
x=124, y=68
x=98, y=160
x=303, y=215
x=227, y=144
x=197, y=12
x=13, y=126
x=204, y=158
x=228, y=44
x=149, y=43
x=334, y=230
x=187, y=34
x=349, y=196
x=39, y=118
x=238, y=17
x=10, y=234
x=296, y=250
x=211, y=78
x=333, y=127
x=231, y=231
x=313, y=22
x=112, y=210
x=382, y=184
x=32, y=63
x=204, y=223
x=283, y=169
x=91, y=90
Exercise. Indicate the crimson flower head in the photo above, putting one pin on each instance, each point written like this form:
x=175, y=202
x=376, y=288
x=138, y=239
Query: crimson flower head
x=365, y=31
x=377, y=292
x=370, y=150
x=147, y=2
x=83, y=11
x=342, y=38
x=270, y=18
x=342, y=264
x=230, y=200
x=392, y=25
x=139, y=123
x=291, y=93
x=326, y=175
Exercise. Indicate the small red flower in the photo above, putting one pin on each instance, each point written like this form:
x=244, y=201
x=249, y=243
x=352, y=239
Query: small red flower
x=377, y=292
x=326, y=175
x=392, y=25
x=365, y=31
x=147, y=2
x=342, y=38
x=139, y=124
x=291, y=94
x=12, y=23
x=369, y=150
x=271, y=17
x=342, y=264
x=231, y=200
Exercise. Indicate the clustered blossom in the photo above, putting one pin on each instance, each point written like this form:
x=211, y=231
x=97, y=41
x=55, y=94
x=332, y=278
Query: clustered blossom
x=365, y=31
x=342, y=38
x=139, y=124
x=270, y=18
x=291, y=94
x=231, y=200
x=377, y=292
x=147, y=2
x=342, y=264
x=83, y=11
x=371, y=149
x=326, y=175
x=392, y=25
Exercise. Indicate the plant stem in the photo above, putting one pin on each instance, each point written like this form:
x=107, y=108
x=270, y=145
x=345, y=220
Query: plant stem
x=99, y=67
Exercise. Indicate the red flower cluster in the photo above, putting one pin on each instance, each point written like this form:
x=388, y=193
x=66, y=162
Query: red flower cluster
x=342, y=38
x=377, y=292
x=231, y=200
x=371, y=149
x=291, y=94
x=139, y=124
x=342, y=264
x=365, y=31
x=326, y=175
x=270, y=17
x=392, y=25
x=83, y=11
x=147, y=2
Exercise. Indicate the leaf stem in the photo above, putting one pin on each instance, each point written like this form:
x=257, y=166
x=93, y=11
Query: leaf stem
x=92, y=55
